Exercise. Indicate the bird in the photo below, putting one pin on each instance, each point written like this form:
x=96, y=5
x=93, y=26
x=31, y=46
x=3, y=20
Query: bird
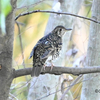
x=49, y=45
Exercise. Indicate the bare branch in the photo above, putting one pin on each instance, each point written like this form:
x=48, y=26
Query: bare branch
x=22, y=72
x=59, y=70
x=64, y=13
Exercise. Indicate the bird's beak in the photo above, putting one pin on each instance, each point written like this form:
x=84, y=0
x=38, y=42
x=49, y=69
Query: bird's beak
x=68, y=29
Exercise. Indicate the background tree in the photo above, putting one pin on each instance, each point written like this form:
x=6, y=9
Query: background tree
x=93, y=58
x=6, y=51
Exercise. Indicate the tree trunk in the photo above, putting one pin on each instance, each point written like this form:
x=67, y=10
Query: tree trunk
x=46, y=84
x=91, y=87
x=6, y=51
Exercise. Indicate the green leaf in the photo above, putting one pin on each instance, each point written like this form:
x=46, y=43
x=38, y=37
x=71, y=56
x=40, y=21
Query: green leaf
x=5, y=7
x=5, y=10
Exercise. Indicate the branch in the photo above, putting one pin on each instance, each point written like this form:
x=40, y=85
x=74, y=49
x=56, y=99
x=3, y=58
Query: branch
x=64, y=13
x=59, y=71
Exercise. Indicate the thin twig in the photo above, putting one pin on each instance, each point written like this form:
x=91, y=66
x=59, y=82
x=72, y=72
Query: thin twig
x=64, y=13
x=72, y=84
x=88, y=79
x=20, y=39
x=12, y=97
x=66, y=87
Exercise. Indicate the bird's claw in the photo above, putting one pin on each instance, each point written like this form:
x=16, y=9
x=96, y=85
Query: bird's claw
x=51, y=67
x=48, y=66
x=44, y=67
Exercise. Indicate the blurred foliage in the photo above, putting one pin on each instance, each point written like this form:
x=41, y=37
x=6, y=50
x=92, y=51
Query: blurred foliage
x=88, y=5
x=5, y=9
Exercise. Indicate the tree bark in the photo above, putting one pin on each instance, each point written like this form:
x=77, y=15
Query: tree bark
x=6, y=51
x=93, y=57
x=47, y=83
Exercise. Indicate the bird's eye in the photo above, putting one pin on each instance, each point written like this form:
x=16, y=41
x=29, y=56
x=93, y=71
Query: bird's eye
x=60, y=30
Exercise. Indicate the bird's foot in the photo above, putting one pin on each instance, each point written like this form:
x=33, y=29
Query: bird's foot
x=44, y=67
x=51, y=67
x=49, y=64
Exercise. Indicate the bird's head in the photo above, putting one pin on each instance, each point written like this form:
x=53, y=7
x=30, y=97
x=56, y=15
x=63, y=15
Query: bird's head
x=61, y=30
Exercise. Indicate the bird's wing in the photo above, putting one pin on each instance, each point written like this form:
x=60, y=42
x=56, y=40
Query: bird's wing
x=41, y=41
x=46, y=54
x=49, y=48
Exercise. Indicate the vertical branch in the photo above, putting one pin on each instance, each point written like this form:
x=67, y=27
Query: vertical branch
x=20, y=39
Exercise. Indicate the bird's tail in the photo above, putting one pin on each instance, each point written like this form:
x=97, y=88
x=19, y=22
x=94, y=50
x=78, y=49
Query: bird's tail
x=36, y=71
